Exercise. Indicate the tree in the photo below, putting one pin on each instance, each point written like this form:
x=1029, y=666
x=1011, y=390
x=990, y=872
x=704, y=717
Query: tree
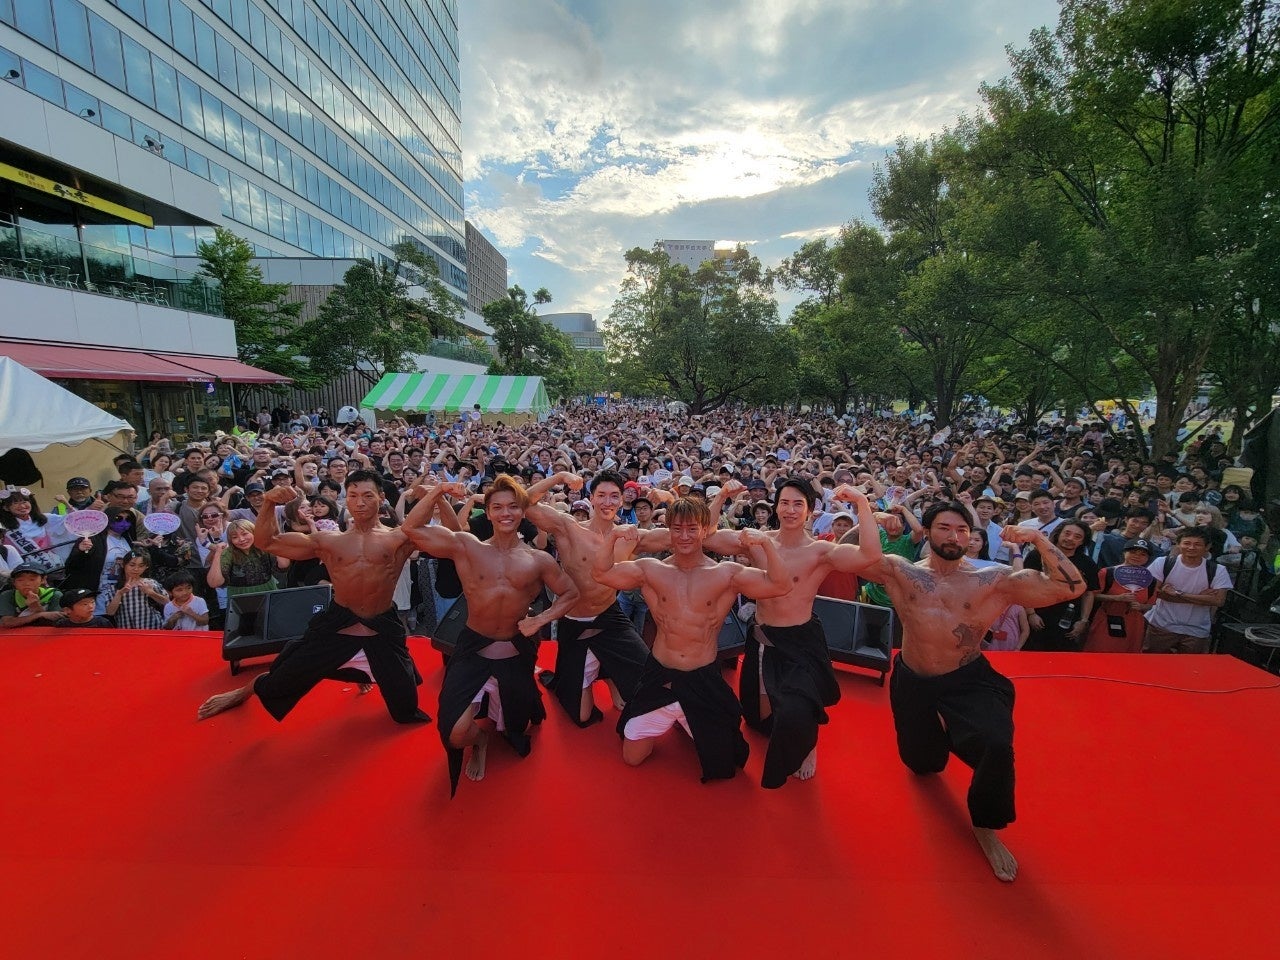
x=374, y=322
x=1142, y=132
x=705, y=338
x=265, y=319
x=849, y=344
x=529, y=346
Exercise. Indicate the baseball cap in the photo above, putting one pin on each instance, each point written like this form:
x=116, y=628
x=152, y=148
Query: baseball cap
x=580, y=505
x=25, y=568
x=685, y=481
x=78, y=482
x=631, y=485
x=72, y=597
x=757, y=484
x=1022, y=495
x=844, y=513
x=280, y=473
x=1140, y=543
x=254, y=487
x=712, y=490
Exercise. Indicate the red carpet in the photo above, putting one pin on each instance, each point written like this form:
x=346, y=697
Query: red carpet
x=1148, y=825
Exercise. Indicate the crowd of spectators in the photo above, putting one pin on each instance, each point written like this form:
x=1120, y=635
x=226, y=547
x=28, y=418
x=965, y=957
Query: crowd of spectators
x=1144, y=533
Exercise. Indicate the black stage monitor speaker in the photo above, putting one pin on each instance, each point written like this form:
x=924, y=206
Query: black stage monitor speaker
x=732, y=639
x=860, y=634
x=260, y=624
x=445, y=637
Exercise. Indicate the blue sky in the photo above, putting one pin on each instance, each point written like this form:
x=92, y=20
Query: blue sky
x=594, y=126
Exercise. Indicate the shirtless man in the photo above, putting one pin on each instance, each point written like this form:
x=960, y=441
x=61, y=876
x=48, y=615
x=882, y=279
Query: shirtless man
x=786, y=680
x=595, y=639
x=364, y=565
x=495, y=652
x=689, y=595
x=946, y=698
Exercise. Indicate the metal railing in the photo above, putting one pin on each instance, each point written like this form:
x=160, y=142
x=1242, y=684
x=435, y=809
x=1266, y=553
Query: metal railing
x=55, y=261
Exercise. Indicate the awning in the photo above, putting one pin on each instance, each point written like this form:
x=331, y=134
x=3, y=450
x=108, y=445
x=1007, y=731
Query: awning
x=225, y=369
x=58, y=361
x=87, y=363
x=451, y=392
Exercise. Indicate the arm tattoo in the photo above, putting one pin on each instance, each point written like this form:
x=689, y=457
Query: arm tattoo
x=920, y=577
x=1060, y=572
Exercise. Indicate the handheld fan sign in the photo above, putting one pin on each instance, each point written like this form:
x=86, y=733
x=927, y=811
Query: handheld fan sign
x=1132, y=578
x=86, y=523
x=162, y=524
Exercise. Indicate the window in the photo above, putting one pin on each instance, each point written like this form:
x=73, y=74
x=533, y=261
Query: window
x=73, y=33
x=42, y=83
x=233, y=133
x=252, y=145
x=192, y=111
x=115, y=121
x=269, y=159
x=197, y=164
x=166, y=82
x=184, y=34
x=226, y=62
x=213, y=120
x=79, y=102
x=206, y=48
x=258, y=207
x=133, y=8
x=240, y=199
x=108, y=60
x=35, y=19
x=158, y=19
x=137, y=71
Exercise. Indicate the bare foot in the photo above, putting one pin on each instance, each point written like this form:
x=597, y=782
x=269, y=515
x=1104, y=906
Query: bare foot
x=998, y=855
x=224, y=701
x=475, y=762
x=808, y=767
x=363, y=688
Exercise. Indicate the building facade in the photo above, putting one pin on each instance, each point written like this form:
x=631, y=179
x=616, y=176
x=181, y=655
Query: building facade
x=689, y=253
x=486, y=271
x=581, y=328
x=318, y=129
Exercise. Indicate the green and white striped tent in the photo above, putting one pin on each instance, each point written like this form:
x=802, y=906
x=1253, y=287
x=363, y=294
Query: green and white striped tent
x=453, y=392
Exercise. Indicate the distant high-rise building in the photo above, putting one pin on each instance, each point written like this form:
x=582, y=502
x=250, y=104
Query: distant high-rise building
x=581, y=328
x=690, y=253
x=486, y=271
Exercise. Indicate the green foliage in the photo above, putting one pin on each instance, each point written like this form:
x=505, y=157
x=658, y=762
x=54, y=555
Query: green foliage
x=529, y=346
x=265, y=319
x=1142, y=135
x=706, y=337
x=373, y=322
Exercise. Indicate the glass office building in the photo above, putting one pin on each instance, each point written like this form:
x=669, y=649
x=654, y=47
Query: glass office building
x=330, y=128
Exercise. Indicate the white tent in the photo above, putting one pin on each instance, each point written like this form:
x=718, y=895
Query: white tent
x=53, y=425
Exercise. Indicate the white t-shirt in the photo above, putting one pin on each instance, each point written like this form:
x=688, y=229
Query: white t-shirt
x=1188, y=619
x=195, y=605
x=1035, y=524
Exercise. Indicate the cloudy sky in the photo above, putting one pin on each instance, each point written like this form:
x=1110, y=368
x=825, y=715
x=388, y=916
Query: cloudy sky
x=594, y=126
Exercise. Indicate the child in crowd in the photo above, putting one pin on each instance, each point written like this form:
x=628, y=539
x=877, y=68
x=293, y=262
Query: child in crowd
x=77, y=611
x=185, y=611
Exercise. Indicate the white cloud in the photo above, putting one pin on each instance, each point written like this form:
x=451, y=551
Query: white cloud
x=592, y=127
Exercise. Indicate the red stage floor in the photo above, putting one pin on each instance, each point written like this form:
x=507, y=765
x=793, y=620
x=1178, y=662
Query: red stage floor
x=1148, y=825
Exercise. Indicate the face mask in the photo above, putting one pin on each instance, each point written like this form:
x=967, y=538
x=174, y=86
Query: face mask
x=119, y=526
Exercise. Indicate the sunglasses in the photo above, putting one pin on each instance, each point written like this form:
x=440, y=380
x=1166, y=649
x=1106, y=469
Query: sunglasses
x=210, y=516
